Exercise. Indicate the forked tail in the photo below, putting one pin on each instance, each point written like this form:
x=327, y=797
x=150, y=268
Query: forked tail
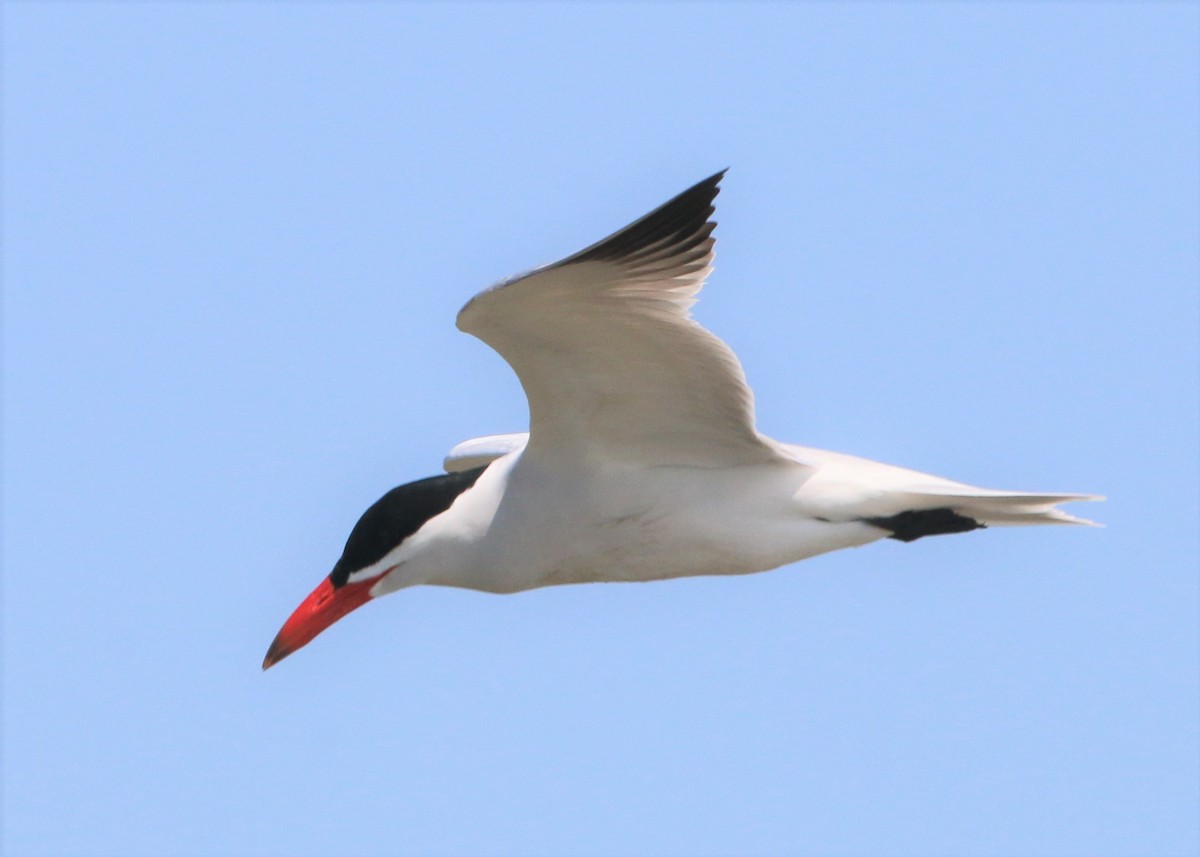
x=936, y=510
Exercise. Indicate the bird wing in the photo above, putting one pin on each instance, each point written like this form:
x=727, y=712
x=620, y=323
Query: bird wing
x=479, y=451
x=611, y=361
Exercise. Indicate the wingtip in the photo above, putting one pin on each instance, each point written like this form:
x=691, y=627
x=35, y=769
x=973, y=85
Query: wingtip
x=678, y=225
x=712, y=183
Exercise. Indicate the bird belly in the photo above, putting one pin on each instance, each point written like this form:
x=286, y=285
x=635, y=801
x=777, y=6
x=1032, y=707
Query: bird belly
x=668, y=524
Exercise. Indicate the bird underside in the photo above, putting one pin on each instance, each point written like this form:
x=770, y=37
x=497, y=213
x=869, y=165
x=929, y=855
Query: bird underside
x=562, y=522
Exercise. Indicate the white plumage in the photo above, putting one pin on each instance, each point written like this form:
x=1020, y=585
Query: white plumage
x=642, y=461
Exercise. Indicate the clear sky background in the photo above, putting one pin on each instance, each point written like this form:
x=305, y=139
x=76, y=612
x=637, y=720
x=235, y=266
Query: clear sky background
x=960, y=238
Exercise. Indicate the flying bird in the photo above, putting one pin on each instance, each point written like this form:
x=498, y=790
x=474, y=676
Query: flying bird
x=642, y=460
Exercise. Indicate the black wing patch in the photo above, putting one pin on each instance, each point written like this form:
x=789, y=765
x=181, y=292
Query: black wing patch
x=910, y=526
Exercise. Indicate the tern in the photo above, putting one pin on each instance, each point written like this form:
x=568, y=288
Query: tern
x=642, y=461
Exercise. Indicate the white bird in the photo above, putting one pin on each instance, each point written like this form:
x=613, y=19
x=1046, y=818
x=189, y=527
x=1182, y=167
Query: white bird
x=642, y=461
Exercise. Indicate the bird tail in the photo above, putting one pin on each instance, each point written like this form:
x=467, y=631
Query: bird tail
x=993, y=508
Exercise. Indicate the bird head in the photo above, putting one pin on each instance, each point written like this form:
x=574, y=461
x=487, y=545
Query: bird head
x=372, y=553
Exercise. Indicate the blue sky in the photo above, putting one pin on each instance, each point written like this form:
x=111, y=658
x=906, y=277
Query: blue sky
x=960, y=238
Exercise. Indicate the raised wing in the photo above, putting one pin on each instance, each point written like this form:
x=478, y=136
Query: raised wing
x=611, y=361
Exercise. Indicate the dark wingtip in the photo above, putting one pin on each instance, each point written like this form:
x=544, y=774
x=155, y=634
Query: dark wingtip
x=919, y=523
x=685, y=216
